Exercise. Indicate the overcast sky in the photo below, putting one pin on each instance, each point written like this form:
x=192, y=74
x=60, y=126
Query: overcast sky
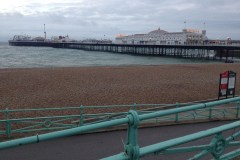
x=95, y=18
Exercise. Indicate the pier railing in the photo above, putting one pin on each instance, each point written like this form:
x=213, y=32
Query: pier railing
x=17, y=122
x=132, y=151
x=21, y=122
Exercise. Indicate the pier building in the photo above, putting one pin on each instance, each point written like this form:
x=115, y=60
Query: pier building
x=162, y=37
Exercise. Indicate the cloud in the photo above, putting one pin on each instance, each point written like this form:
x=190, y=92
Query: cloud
x=95, y=18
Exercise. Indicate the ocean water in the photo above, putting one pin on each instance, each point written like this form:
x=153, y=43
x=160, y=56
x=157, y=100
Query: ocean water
x=41, y=57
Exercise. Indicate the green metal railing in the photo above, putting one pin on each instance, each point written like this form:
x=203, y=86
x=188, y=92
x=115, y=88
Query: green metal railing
x=18, y=121
x=132, y=150
x=15, y=123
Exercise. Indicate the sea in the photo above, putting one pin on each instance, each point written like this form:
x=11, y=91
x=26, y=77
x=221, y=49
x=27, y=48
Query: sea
x=46, y=57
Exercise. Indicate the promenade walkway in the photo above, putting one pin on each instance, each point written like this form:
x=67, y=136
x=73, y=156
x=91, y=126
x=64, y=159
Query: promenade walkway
x=100, y=145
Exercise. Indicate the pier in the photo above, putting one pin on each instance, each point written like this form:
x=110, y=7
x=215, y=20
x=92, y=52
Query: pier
x=179, y=51
x=222, y=52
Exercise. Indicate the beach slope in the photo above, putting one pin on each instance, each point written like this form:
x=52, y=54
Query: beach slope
x=59, y=87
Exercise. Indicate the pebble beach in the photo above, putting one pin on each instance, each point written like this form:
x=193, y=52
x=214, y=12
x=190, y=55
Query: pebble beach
x=62, y=87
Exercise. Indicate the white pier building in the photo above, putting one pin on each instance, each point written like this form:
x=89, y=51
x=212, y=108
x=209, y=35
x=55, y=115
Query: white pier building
x=161, y=37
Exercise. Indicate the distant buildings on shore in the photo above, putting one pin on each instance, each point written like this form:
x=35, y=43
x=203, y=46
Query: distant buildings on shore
x=162, y=37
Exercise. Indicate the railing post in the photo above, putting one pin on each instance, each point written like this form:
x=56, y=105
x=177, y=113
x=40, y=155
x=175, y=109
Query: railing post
x=238, y=110
x=224, y=113
x=8, y=124
x=81, y=120
x=210, y=113
x=131, y=147
x=177, y=116
x=134, y=107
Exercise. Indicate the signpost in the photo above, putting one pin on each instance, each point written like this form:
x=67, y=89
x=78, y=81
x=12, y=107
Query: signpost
x=227, y=84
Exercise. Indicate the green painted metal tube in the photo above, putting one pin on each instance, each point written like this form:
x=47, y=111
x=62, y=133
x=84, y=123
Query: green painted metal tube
x=107, y=124
x=230, y=155
x=235, y=143
x=200, y=155
x=40, y=118
x=210, y=114
x=238, y=112
x=233, y=137
x=64, y=133
x=186, y=149
x=177, y=141
x=121, y=156
x=7, y=123
x=85, y=107
x=81, y=118
x=177, y=116
x=187, y=108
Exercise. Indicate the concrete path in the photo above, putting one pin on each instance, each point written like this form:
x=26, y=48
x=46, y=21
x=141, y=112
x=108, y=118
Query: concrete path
x=99, y=145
